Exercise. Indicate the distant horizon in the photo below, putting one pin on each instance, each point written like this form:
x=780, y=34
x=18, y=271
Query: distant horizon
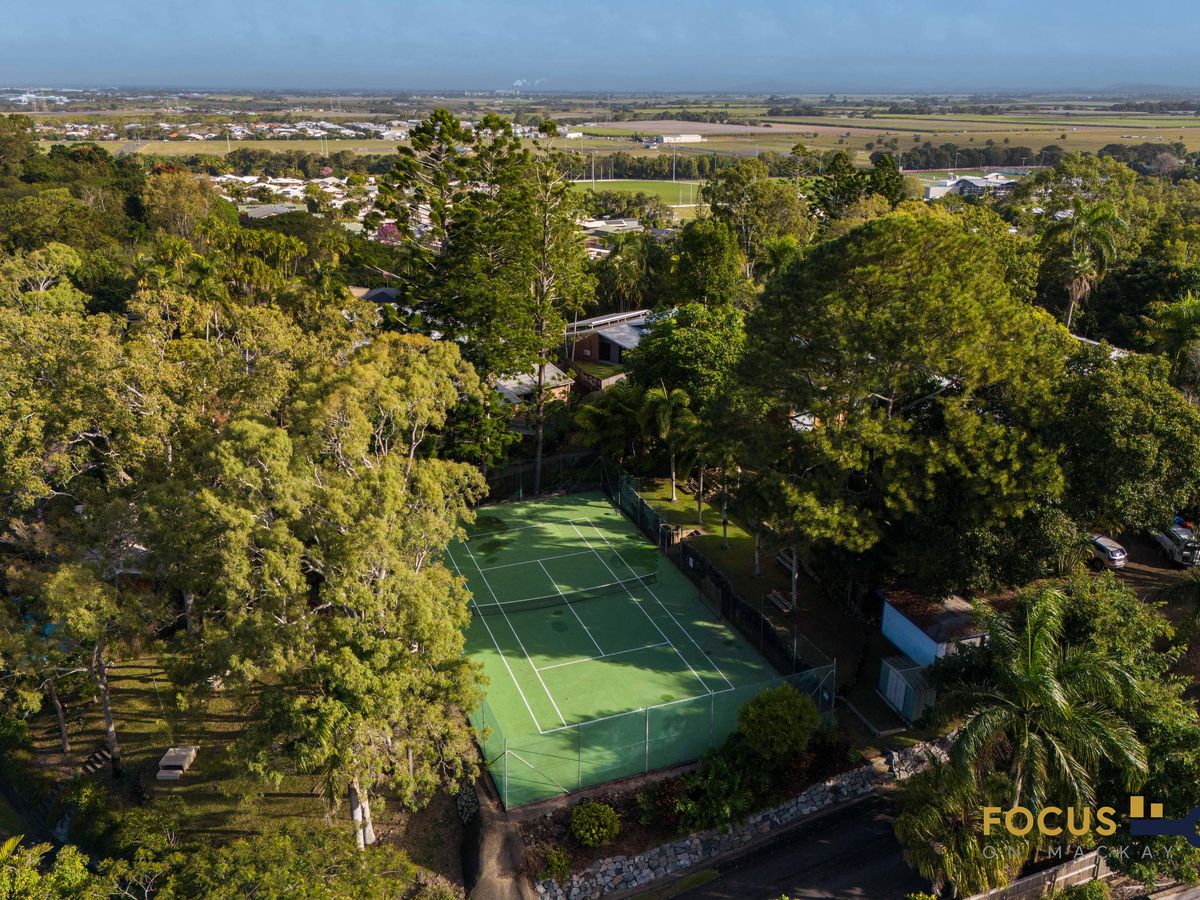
x=703, y=46
x=1082, y=92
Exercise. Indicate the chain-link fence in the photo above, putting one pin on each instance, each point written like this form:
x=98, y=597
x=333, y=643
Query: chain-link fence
x=573, y=757
x=566, y=473
x=621, y=488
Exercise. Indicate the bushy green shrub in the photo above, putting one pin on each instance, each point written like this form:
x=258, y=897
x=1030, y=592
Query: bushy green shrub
x=778, y=723
x=558, y=865
x=727, y=786
x=919, y=895
x=594, y=824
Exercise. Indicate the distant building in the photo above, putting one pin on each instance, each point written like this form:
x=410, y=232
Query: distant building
x=679, y=139
x=992, y=184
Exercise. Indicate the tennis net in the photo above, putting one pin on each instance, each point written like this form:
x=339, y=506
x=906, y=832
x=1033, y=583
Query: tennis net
x=565, y=598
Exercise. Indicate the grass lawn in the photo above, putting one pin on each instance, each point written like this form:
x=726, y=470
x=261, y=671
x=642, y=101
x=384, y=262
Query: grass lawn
x=220, y=801
x=598, y=369
x=820, y=619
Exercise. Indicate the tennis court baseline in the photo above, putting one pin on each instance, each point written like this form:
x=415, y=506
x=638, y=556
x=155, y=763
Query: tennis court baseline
x=603, y=661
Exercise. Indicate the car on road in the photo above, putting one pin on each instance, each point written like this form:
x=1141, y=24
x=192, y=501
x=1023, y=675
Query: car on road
x=1107, y=553
x=1179, y=543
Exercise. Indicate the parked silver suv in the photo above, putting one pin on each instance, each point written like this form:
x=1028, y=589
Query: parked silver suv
x=1107, y=553
x=1180, y=544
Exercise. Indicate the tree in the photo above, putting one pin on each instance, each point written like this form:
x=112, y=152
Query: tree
x=559, y=285
x=710, y=267
x=940, y=830
x=1087, y=242
x=1131, y=456
x=695, y=348
x=611, y=420
x=323, y=543
x=756, y=208
x=667, y=417
x=17, y=143
x=177, y=202
x=882, y=361
x=39, y=280
x=1175, y=332
x=23, y=875
x=1045, y=711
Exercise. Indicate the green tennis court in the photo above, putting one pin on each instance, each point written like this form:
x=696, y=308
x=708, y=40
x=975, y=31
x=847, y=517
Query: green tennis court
x=602, y=659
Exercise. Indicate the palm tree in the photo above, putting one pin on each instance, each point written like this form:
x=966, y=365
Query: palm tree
x=666, y=416
x=1088, y=239
x=941, y=832
x=1176, y=333
x=1043, y=711
x=610, y=420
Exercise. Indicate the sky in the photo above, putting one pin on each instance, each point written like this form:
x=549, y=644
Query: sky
x=613, y=45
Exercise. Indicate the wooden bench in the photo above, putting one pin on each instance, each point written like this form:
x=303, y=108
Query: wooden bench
x=176, y=761
x=782, y=602
x=784, y=558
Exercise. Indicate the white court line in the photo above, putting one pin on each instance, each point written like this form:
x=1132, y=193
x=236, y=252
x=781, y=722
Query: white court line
x=527, y=562
x=659, y=602
x=516, y=634
x=575, y=662
x=496, y=644
x=571, y=606
x=638, y=604
x=533, y=768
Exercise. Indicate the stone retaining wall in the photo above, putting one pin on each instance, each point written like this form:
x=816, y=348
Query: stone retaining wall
x=624, y=873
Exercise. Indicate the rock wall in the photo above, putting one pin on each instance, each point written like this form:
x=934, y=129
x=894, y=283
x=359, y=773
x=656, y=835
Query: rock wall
x=625, y=873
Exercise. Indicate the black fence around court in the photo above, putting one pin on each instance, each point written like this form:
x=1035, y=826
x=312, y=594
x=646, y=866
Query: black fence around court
x=564, y=473
x=621, y=488
x=783, y=646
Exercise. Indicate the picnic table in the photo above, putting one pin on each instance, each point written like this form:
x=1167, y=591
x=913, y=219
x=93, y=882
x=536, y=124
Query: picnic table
x=176, y=761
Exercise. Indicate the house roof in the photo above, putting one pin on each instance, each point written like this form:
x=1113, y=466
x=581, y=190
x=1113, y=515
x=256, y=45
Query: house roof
x=626, y=335
x=945, y=621
x=518, y=388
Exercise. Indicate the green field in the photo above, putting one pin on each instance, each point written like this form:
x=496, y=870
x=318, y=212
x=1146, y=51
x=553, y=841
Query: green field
x=674, y=193
x=631, y=675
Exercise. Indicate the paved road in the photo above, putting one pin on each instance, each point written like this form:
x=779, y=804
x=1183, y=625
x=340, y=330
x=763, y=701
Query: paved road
x=850, y=853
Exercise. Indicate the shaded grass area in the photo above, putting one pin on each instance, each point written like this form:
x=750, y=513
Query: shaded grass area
x=820, y=619
x=219, y=800
x=11, y=823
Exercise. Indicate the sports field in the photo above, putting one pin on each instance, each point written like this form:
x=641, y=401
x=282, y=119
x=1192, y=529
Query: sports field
x=673, y=193
x=602, y=659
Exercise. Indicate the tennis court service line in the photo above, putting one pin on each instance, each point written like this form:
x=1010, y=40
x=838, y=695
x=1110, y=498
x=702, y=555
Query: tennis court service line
x=575, y=662
x=638, y=604
x=496, y=644
x=482, y=534
x=656, y=600
x=540, y=559
x=571, y=607
x=517, y=635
